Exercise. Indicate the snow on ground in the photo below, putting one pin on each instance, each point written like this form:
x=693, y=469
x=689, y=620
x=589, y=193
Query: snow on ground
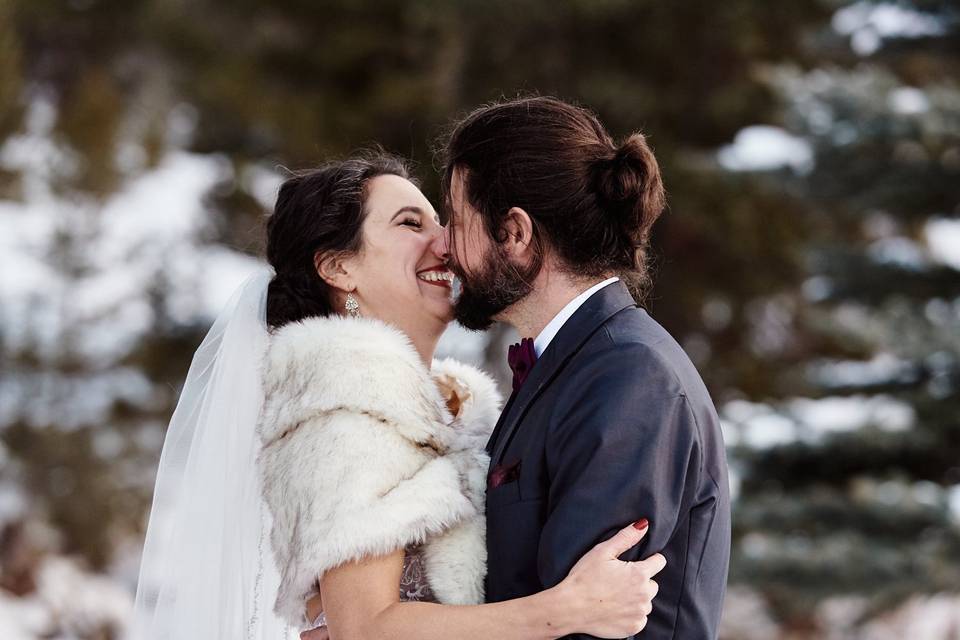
x=81, y=602
x=953, y=502
x=908, y=101
x=13, y=499
x=899, y=251
x=70, y=400
x=762, y=426
x=263, y=182
x=23, y=618
x=69, y=603
x=150, y=233
x=943, y=241
x=870, y=23
x=882, y=368
x=933, y=617
x=843, y=414
x=766, y=148
x=747, y=616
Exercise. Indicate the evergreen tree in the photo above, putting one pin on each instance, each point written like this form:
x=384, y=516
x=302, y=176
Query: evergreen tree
x=862, y=494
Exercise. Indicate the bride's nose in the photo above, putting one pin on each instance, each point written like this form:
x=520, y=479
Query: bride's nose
x=439, y=245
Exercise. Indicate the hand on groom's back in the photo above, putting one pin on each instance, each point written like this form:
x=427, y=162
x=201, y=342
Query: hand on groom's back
x=618, y=594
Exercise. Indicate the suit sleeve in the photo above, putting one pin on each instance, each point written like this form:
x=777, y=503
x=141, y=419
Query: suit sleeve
x=619, y=448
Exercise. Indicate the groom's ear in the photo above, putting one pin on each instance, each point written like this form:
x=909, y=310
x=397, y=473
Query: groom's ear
x=335, y=271
x=517, y=231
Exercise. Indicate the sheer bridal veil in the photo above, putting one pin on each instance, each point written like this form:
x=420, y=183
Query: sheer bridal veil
x=207, y=571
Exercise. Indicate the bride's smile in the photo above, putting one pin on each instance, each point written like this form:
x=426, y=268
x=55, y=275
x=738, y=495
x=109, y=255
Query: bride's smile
x=438, y=275
x=400, y=274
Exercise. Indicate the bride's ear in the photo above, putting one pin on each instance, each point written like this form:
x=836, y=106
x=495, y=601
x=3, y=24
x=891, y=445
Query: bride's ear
x=335, y=271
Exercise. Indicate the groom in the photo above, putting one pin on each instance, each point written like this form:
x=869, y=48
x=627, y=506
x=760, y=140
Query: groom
x=609, y=421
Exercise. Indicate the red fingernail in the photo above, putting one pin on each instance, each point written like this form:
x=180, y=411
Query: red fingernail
x=641, y=524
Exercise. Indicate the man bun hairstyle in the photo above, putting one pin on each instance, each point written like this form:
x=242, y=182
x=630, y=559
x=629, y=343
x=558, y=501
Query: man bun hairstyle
x=629, y=187
x=593, y=202
x=318, y=211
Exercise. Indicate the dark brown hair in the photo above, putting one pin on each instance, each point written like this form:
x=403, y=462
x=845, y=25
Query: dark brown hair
x=592, y=201
x=318, y=211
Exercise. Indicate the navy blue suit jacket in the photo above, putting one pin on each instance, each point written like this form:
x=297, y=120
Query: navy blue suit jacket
x=613, y=424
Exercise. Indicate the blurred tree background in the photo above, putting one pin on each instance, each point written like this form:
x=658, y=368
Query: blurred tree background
x=809, y=263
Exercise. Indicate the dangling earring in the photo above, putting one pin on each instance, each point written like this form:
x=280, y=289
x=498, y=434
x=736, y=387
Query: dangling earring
x=353, y=307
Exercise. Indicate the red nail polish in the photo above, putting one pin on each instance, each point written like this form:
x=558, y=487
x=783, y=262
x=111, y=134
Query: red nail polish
x=641, y=524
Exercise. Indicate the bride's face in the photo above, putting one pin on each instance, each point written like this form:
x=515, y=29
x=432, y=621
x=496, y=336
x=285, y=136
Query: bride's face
x=400, y=276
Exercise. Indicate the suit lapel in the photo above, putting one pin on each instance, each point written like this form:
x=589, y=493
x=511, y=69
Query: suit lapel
x=499, y=426
x=599, y=308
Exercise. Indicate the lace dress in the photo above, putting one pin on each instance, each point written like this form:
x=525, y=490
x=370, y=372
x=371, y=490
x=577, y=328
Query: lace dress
x=413, y=582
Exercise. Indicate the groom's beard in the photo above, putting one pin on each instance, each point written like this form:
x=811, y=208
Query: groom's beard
x=499, y=284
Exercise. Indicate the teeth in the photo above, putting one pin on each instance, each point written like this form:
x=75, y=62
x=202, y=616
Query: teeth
x=436, y=276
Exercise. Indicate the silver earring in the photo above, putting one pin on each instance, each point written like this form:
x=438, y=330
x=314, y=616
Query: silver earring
x=353, y=307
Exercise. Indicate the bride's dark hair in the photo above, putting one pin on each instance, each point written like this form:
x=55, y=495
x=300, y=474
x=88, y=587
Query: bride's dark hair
x=318, y=211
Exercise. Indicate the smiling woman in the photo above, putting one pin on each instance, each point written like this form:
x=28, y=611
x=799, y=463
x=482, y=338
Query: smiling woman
x=360, y=228
x=400, y=274
x=321, y=210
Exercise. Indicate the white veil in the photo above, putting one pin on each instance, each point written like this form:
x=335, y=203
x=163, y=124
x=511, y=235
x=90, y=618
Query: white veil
x=207, y=571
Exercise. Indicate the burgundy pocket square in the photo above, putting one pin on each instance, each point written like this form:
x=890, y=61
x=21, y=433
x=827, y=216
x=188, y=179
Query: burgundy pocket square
x=504, y=474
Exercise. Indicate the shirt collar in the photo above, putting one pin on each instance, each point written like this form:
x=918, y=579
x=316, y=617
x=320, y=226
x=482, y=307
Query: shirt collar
x=542, y=341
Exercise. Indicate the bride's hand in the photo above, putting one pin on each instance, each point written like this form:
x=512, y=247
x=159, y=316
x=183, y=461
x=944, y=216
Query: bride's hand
x=613, y=598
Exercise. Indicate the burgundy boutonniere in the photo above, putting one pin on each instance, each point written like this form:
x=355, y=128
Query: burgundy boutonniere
x=521, y=358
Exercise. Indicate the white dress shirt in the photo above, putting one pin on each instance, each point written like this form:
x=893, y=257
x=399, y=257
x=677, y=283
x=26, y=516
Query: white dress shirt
x=541, y=342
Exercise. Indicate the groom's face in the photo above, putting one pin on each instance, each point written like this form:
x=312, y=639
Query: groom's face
x=490, y=281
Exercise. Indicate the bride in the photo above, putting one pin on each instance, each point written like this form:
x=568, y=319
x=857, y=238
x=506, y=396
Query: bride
x=321, y=468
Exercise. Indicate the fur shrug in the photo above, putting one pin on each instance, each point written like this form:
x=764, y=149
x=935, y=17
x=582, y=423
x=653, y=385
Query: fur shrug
x=362, y=455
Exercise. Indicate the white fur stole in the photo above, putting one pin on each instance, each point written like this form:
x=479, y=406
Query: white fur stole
x=362, y=456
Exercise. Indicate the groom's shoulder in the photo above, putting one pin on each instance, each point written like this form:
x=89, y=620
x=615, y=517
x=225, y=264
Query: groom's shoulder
x=634, y=326
x=640, y=348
